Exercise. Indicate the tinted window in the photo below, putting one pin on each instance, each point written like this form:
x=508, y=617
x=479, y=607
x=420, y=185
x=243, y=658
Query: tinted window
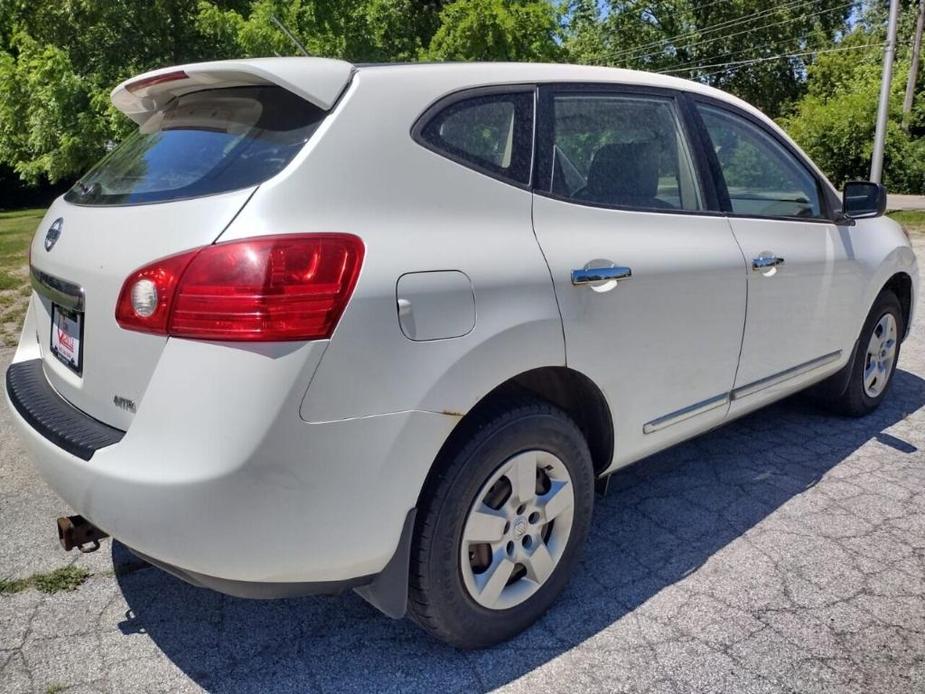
x=621, y=150
x=203, y=143
x=490, y=133
x=763, y=178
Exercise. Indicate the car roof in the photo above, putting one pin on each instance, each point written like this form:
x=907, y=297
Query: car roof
x=454, y=76
x=489, y=73
x=322, y=80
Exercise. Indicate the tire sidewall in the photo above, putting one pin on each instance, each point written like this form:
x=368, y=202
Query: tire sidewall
x=885, y=303
x=475, y=464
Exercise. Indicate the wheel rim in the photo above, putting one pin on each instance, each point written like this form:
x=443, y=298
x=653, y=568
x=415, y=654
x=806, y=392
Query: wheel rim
x=517, y=529
x=881, y=353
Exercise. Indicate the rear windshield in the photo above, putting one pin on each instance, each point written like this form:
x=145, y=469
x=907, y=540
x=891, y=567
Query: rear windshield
x=203, y=143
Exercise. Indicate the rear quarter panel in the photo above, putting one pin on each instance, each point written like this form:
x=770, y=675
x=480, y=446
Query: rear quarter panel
x=416, y=211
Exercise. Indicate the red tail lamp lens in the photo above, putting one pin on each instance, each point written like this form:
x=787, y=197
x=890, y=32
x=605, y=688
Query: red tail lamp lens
x=261, y=289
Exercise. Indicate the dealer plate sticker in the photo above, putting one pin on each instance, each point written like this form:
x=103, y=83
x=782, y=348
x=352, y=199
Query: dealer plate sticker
x=66, y=336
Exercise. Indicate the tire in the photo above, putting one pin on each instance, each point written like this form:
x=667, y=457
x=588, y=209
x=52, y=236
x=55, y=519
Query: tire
x=859, y=399
x=450, y=596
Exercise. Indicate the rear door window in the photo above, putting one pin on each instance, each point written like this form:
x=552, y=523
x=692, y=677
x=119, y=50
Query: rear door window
x=620, y=150
x=490, y=133
x=202, y=143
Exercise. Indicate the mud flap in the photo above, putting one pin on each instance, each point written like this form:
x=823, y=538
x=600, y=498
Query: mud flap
x=388, y=592
x=835, y=385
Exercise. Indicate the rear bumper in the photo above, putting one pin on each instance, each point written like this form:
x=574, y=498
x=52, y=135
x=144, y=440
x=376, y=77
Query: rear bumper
x=52, y=416
x=219, y=481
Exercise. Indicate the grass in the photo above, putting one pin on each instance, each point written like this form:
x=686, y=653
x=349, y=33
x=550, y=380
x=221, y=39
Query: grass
x=913, y=220
x=13, y=585
x=66, y=578
x=16, y=231
x=55, y=689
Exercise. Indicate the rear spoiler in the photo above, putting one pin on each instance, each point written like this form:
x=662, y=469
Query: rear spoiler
x=319, y=81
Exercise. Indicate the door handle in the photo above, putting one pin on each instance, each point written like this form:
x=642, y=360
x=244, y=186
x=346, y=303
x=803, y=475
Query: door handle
x=766, y=262
x=590, y=275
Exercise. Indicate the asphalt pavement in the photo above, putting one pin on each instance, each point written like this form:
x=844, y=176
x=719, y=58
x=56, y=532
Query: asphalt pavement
x=784, y=552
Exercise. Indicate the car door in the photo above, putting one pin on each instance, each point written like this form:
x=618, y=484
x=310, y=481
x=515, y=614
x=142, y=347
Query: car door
x=650, y=282
x=803, y=281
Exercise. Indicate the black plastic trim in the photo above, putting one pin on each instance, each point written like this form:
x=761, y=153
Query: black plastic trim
x=254, y=589
x=388, y=591
x=52, y=416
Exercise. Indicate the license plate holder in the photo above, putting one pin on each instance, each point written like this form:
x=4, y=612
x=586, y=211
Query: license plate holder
x=67, y=335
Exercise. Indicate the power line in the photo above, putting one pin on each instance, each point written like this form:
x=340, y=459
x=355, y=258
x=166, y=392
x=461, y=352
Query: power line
x=747, y=31
x=631, y=53
x=637, y=3
x=741, y=63
x=695, y=64
x=744, y=31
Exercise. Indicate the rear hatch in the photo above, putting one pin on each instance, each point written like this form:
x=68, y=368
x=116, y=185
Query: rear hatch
x=209, y=135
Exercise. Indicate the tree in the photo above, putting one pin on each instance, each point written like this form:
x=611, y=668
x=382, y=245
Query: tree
x=60, y=60
x=51, y=120
x=734, y=45
x=835, y=121
x=496, y=30
x=59, y=64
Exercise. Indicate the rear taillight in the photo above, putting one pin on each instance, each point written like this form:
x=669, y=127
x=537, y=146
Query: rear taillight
x=260, y=289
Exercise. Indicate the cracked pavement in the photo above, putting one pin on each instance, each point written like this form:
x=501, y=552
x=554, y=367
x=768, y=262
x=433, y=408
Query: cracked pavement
x=784, y=552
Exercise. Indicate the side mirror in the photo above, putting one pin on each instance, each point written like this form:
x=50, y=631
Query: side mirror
x=863, y=199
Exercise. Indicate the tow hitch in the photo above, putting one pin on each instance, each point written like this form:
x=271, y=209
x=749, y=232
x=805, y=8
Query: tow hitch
x=77, y=531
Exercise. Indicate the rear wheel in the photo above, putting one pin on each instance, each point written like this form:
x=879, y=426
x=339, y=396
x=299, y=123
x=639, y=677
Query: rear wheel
x=875, y=359
x=502, y=525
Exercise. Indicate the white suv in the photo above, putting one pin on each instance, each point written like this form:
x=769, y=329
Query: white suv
x=318, y=326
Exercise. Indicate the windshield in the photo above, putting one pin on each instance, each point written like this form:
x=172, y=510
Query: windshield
x=203, y=143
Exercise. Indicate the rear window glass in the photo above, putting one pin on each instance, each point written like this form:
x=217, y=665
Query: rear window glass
x=203, y=143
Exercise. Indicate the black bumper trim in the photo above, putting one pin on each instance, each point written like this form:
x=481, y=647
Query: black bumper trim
x=52, y=416
x=253, y=589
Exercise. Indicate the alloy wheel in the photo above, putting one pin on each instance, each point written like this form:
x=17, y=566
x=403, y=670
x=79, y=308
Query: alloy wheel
x=517, y=529
x=881, y=353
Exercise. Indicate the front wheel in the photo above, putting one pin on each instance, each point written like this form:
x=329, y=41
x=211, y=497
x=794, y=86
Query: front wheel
x=875, y=359
x=502, y=525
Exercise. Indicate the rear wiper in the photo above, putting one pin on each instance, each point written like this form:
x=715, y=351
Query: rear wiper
x=87, y=191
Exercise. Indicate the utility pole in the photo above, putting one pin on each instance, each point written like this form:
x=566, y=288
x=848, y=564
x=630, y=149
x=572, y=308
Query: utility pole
x=914, y=66
x=876, y=164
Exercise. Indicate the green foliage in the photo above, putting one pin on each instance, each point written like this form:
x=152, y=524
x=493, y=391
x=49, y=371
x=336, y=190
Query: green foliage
x=13, y=585
x=66, y=578
x=836, y=119
x=912, y=220
x=51, y=120
x=16, y=231
x=60, y=60
x=496, y=30
x=697, y=40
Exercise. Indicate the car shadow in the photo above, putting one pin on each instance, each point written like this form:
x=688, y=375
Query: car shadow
x=661, y=520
